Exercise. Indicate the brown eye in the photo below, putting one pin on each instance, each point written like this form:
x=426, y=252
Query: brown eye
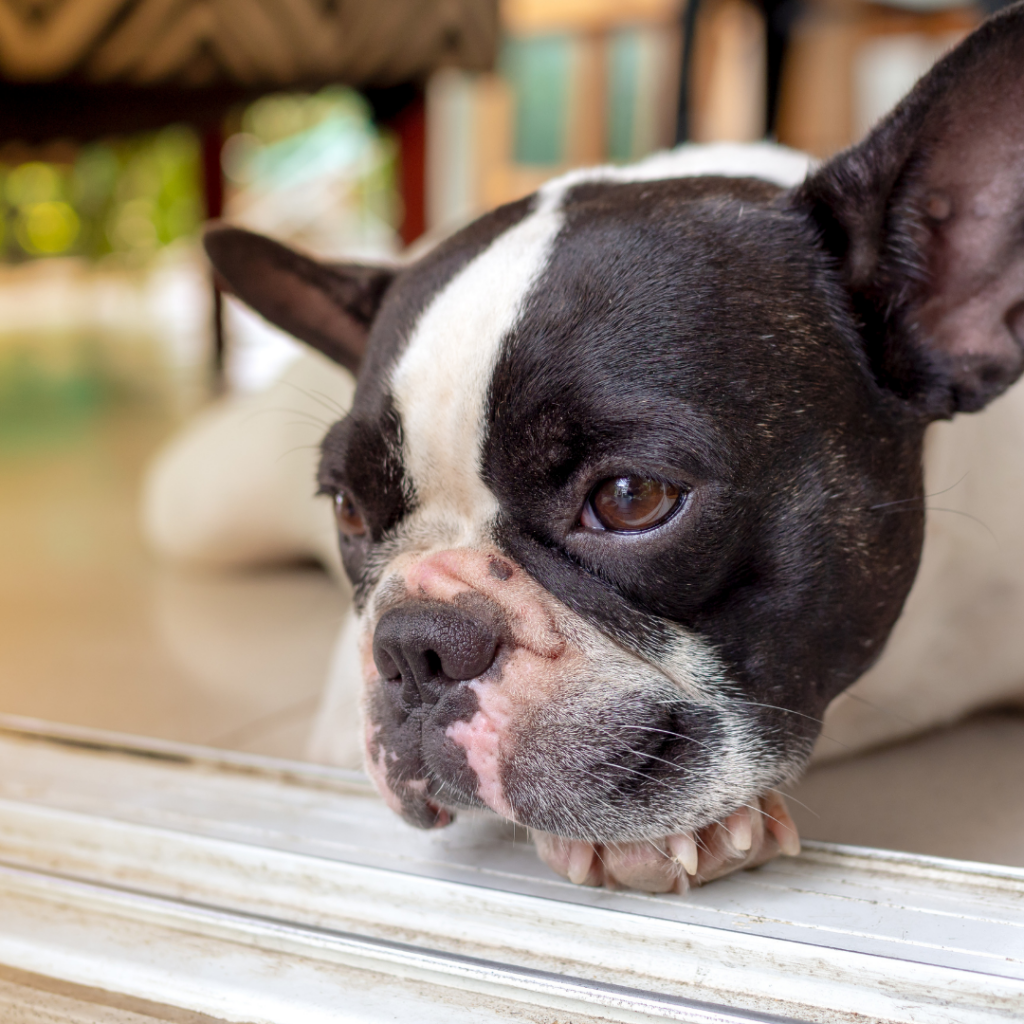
x=629, y=503
x=350, y=522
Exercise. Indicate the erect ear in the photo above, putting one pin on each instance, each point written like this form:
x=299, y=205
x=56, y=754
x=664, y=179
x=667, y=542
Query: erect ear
x=328, y=306
x=926, y=217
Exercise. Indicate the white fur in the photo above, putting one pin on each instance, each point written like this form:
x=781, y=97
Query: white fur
x=441, y=380
x=234, y=488
x=777, y=164
x=959, y=644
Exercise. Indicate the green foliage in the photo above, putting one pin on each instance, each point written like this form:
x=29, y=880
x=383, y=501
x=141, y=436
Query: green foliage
x=291, y=140
x=282, y=115
x=127, y=196
x=130, y=196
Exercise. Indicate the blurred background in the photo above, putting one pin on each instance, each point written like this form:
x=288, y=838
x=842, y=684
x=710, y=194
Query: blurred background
x=353, y=130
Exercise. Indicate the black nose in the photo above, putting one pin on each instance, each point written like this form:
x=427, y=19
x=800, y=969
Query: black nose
x=428, y=645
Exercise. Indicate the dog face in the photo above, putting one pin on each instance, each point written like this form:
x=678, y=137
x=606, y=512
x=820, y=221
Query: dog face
x=619, y=547
x=631, y=485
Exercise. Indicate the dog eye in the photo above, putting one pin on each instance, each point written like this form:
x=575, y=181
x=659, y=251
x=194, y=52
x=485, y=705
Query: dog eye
x=350, y=522
x=628, y=504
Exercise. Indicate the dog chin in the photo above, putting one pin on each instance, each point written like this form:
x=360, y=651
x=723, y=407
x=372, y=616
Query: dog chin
x=632, y=765
x=620, y=757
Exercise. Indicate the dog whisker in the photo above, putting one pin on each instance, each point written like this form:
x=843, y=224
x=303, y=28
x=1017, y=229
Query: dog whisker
x=652, y=757
x=777, y=707
x=633, y=771
x=639, y=753
x=923, y=497
x=667, y=732
x=881, y=709
x=298, y=448
x=307, y=420
x=956, y=512
x=319, y=397
x=328, y=402
x=792, y=799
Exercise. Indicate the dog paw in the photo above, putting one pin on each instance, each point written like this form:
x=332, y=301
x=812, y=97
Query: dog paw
x=747, y=838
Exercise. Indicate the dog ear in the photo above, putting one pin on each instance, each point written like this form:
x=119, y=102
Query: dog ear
x=926, y=218
x=328, y=306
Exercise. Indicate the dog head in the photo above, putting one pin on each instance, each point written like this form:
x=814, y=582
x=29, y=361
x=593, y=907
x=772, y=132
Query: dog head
x=631, y=486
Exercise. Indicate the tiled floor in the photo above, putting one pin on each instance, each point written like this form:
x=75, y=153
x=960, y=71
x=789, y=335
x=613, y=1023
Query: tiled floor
x=93, y=632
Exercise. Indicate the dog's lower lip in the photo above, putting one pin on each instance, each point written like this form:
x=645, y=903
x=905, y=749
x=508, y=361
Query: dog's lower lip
x=442, y=816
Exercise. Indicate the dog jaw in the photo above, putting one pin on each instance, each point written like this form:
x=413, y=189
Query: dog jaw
x=565, y=730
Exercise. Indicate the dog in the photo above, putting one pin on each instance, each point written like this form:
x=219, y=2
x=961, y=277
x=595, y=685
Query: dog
x=631, y=486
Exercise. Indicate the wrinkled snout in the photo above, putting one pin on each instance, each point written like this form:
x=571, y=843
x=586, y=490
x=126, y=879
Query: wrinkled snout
x=462, y=647
x=424, y=647
x=483, y=691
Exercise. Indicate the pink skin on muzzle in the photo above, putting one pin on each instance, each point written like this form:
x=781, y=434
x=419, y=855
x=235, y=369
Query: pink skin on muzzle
x=535, y=658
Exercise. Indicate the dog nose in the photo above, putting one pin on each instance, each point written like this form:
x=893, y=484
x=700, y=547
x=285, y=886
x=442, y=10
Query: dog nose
x=428, y=645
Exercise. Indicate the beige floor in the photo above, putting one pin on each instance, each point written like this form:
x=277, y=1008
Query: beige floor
x=34, y=999
x=94, y=632
x=957, y=792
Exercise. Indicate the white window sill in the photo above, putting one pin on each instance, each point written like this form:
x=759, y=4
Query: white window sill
x=258, y=890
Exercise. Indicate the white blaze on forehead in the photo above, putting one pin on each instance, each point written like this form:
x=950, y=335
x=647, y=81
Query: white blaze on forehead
x=440, y=384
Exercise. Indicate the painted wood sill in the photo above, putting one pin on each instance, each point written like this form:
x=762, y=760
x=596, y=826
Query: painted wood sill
x=250, y=889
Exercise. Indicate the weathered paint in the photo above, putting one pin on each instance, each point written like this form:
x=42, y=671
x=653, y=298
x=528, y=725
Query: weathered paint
x=139, y=873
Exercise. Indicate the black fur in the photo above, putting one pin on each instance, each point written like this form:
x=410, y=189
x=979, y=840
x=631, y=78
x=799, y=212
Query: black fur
x=693, y=331
x=328, y=307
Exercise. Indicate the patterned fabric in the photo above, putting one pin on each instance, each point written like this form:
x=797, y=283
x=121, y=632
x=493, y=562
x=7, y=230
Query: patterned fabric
x=255, y=44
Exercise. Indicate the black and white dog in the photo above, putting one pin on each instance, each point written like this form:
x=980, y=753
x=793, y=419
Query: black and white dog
x=631, y=487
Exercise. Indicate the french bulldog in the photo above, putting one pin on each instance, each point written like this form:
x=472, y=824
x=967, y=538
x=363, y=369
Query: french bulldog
x=631, y=486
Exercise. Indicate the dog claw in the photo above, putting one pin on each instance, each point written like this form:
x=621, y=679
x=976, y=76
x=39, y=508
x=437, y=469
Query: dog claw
x=747, y=838
x=581, y=858
x=771, y=832
x=740, y=829
x=683, y=849
x=571, y=858
x=781, y=825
